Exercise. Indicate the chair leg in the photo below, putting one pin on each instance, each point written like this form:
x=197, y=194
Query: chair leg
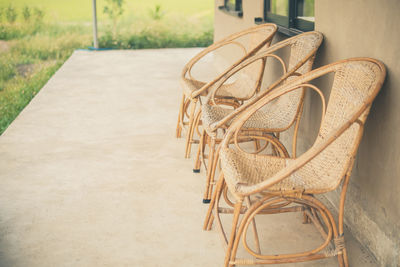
x=180, y=118
x=213, y=169
x=253, y=222
x=189, y=136
x=239, y=232
x=211, y=153
x=343, y=257
x=218, y=190
x=236, y=214
x=197, y=122
x=306, y=219
x=216, y=213
x=256, y=144
x=200, y=152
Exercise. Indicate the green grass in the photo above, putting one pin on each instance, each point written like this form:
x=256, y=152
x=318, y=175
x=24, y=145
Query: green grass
x=12, y=102
x=81, y=10
x=30, y=52
x=28, y=63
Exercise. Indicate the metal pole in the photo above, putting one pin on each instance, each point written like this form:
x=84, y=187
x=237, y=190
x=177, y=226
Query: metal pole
x=95, y=41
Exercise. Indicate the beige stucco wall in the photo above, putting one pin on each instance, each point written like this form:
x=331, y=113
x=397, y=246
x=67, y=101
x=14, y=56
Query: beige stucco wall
x=371, y=28
x=226, y=24
x=357, y=28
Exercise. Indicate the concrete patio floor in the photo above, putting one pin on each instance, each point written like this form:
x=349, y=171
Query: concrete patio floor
x=92, y=175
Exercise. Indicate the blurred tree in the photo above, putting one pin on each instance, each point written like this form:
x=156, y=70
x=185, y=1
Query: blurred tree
x=38, y=14
x=114, y=9
x=26, y=13
x=157, y=13
x=11, y=14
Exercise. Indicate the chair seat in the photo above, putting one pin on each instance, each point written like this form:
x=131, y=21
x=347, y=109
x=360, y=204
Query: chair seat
x=243, y=169
x=259, y=120
x=230, y=90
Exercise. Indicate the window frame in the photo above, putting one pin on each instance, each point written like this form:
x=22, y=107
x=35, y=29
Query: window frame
x=237, y=10
x=289, y=25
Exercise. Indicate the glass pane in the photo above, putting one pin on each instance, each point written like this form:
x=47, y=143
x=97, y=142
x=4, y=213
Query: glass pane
x=234, y=5
x=239, y=5
x=305, y=10
x=230, y=4
x=279, y=7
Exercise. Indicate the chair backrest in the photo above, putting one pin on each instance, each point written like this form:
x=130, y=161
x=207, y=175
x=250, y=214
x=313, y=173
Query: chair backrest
x=249, y=41
x=356, y=83
x=258, y=36
x=303, y=48
x=302, y=53
x=253, y=72
x=256, y=40
x=252, y=37
x=300, y=46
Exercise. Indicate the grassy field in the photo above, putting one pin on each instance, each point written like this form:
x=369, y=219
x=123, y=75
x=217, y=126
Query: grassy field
x=81, y=10
x=32, y=49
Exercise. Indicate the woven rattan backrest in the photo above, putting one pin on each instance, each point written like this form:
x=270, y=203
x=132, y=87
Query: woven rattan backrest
x=302, y=52
x=252, y=73
x=255, y=39
x=258, y=36
x=301, y=46
x=354, y=83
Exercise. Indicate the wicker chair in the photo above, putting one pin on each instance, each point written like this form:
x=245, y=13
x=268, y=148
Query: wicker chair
x=250, y=41
x=215, y=116
x=291, y=184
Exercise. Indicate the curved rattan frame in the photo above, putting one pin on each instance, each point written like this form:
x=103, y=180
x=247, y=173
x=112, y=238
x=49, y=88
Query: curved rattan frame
x=189, y=102
x=210, y=131
x=301, y=199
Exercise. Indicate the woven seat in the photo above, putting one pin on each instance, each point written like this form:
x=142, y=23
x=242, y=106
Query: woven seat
x=226, y=91
x=249, y=41
x=292, y=184
x=249, y=170
x=275, y=117
x=272, y=117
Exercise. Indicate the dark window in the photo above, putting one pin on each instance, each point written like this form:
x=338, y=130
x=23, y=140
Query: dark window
x=292, y=16
x=233, y=7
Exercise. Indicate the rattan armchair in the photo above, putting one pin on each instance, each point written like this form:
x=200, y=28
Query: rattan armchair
x=271, y=119
x=293, y=184
x=249, y=41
